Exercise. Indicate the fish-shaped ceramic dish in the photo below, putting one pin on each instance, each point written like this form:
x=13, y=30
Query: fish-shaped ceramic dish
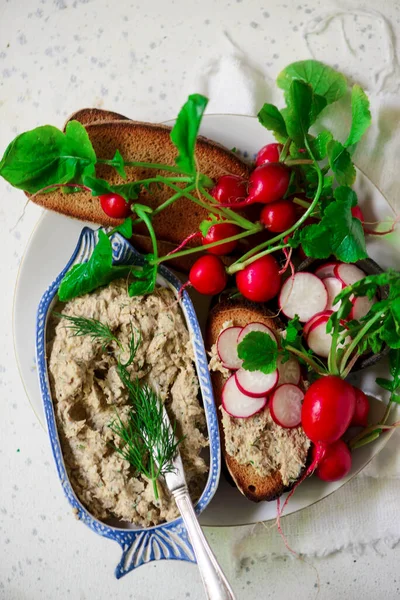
x=167, y=540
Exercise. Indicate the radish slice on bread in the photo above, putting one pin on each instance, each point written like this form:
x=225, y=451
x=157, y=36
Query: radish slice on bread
x=333, y=286
x=255, y=326
x=285, y=405
x=304, y=295
x=289, y=371
x=240, y=405
x=256, y=383
x=227, y=348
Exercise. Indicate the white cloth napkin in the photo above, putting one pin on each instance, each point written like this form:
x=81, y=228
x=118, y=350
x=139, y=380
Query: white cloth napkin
x=363, y=514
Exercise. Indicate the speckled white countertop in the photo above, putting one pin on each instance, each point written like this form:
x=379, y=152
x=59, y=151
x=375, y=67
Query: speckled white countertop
x=141, y=59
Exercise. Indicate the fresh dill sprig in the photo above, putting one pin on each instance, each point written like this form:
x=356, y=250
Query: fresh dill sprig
x=95, y=329
x=149, y=443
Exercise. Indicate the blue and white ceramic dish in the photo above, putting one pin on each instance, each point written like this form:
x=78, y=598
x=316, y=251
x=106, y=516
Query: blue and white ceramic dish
x=139, y=545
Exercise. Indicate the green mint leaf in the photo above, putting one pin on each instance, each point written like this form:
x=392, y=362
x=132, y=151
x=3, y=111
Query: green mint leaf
x=338, y=232
x=293, y=330
x=319, y=145
x=144, y=279
x=315, y=241
x=208, y=223
x=341, y=163
x=389, y=333
x=324, y=80
x=96, y=272
x=361, y=116
x=394, y=363
x=259, y=352
x=125, y=229
x=395, y=398
x=184, y=132
x=270, y=118
x=298, y=115
x=128, y=191
x=46, y=155
x=119, y=164
x=385, y=384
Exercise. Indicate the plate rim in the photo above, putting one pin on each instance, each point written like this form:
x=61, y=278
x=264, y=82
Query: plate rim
x=43, y=215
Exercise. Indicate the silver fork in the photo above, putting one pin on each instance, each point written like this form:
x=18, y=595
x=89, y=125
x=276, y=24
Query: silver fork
x=215, y=583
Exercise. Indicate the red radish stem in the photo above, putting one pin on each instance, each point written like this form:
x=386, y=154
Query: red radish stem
x=319, y=453
x=184, y=242
x=373, y=232
x=183, y=288
x=296, y=554
x=288, y=256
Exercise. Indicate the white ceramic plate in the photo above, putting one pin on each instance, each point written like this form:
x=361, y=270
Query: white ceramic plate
x=41, y=264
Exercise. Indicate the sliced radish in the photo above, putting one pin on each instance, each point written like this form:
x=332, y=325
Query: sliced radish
x=289, y=371
x=314, y=319
x=240, y=405
x=348, y=274
x=285, y=405
x=255, y=326
x=333, y=286
x=303, y=295
x=326, y=270
x=318, y=340
x=256, y=383
x=227, y=347
x=361, y=306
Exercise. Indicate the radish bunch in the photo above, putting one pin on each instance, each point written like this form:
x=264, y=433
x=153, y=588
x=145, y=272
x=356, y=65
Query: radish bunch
x=311, y=297
x=331, y=405
x=247, y=392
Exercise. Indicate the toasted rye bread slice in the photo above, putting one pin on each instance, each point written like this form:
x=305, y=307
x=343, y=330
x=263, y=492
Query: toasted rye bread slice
x=246, y=478
x=144, y=142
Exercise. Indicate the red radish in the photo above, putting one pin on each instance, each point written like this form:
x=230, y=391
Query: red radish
x=285, y=405
x=278, y=216
x=335, y=462
x=328, y=409
x=348, y=274
x=208, y=275
x=289, y=371
x=256, y=383
x=230, y=189
x=333, y=286
x=314, y=319
x=227, y=347
x=240, y=405
x=358, y=213
x=360, y=417
x=304, y=295
x=268, y=183
x=115, y=206
x=255, y=326
x=361, y=306
x=318, y=340
x=269, y=153
x=219, y=232
x=326, y=270
x=260, y=281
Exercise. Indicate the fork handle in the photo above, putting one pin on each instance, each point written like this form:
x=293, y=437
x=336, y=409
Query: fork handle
x=215, y=583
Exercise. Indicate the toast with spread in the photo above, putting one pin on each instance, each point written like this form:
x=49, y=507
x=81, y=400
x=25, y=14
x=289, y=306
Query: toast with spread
x=264, y=459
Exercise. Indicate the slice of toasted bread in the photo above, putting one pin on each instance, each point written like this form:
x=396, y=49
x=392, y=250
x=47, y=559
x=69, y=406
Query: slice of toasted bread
x=87, y=116
x=144, y=142
x=246, y=478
